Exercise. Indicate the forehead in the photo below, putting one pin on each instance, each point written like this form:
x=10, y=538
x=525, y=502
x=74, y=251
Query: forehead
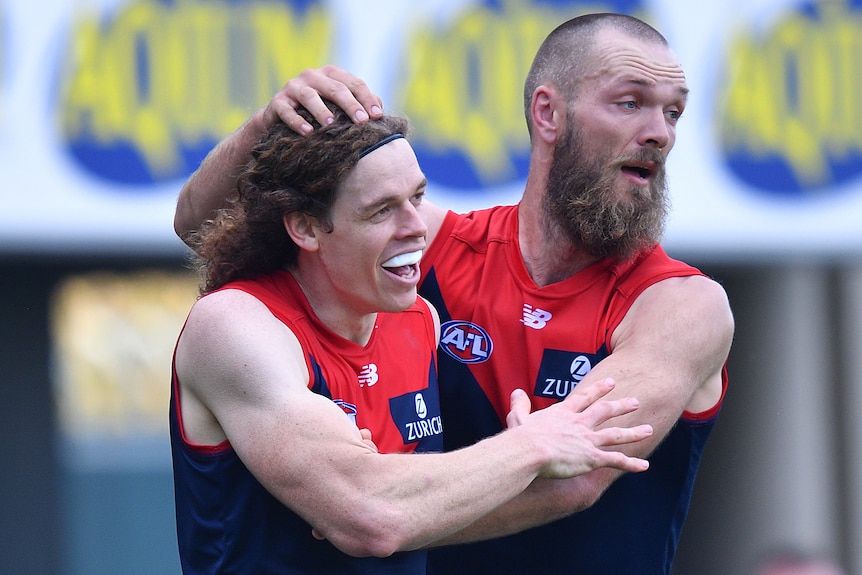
x=390, y=170
x=620, y=59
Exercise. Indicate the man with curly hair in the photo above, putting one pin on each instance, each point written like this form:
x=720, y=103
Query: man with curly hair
x=304, y=391
x=566, y=288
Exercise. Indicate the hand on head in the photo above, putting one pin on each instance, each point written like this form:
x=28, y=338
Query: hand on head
x=307, y=90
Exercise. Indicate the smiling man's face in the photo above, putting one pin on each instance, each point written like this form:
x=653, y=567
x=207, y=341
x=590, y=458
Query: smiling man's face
x=371, y=255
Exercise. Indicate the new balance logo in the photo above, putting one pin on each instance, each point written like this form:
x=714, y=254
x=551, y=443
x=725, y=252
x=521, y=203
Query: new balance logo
x=534, y=317
x=368, y=376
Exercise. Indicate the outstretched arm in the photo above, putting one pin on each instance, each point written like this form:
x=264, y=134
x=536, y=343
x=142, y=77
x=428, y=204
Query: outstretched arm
x=669, y=352
x=208, y=188
x=234, y=386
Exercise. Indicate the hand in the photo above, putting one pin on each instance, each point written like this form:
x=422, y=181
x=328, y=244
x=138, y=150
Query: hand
x=366, y=439
x=308, y=89
x=570, y=430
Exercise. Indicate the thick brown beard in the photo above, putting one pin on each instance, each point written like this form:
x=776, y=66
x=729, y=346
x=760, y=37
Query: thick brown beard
x=582, y=204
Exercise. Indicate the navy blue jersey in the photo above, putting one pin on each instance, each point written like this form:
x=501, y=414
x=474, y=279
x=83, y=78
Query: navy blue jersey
x=501, y=331
x=227, y=522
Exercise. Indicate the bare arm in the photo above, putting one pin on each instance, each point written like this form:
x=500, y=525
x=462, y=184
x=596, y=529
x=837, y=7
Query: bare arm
x=668, y=352
x=209, y=187
x=234, y=386
x=215, y=180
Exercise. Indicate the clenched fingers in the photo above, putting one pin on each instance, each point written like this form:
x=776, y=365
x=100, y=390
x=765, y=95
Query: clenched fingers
x=352, y=94
x=309, y=90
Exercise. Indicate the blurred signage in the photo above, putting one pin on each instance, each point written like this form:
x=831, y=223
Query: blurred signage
x=106, y=106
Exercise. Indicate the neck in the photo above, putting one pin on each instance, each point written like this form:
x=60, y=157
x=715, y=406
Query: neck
x=334, y=312
x=548, y=256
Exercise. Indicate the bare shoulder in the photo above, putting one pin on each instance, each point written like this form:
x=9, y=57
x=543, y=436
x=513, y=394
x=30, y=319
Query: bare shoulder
x=688, y=318
x=231, y=331
x=697, y=298
x=687, y=322
x=221, y=320
x=221, y=305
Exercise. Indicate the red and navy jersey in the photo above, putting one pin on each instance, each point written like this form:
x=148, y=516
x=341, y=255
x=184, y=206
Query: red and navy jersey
x=501, y=331
x=226, y=520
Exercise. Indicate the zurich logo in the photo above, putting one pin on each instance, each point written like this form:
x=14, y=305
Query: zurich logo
x=421, y=407
x=465, y=341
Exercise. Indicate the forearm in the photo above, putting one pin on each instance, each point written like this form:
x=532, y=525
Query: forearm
x=545, y=500
x=488, y=478
x=209, y=187
x=425, y=498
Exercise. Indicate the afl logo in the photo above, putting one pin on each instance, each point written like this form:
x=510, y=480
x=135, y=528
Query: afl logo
x=465, y=341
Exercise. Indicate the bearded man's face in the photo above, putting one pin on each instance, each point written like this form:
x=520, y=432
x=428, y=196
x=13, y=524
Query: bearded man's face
x=598, y=209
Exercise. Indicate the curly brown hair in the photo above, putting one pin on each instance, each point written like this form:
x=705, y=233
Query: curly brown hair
x=287, y=173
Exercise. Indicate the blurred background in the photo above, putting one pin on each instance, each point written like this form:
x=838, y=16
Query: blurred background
x=106, y=106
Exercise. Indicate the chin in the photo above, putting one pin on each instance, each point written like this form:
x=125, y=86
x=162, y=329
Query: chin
x=398, y=303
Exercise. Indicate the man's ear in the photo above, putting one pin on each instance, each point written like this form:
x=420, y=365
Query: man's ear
x=548, y=113
x=302, y=229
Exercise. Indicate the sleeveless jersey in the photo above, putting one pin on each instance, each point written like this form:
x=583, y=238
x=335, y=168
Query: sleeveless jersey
x=226, y=520
x=501, y=331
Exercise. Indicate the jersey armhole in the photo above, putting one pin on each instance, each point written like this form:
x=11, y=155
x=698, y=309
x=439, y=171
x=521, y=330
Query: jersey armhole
x=176, y=398
x=712, y=412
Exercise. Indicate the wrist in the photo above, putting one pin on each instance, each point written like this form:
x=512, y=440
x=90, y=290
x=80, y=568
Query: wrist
x=258, y=124
x=528, y=449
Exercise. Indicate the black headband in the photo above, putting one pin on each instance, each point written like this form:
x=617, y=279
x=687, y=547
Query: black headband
x=382, y=142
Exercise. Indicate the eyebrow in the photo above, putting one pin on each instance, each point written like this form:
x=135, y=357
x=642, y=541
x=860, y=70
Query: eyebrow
x=373, y=207
x=682, y=91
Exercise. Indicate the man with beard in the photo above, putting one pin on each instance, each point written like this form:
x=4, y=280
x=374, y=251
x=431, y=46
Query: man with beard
x=309, y=329
x=566, y=288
